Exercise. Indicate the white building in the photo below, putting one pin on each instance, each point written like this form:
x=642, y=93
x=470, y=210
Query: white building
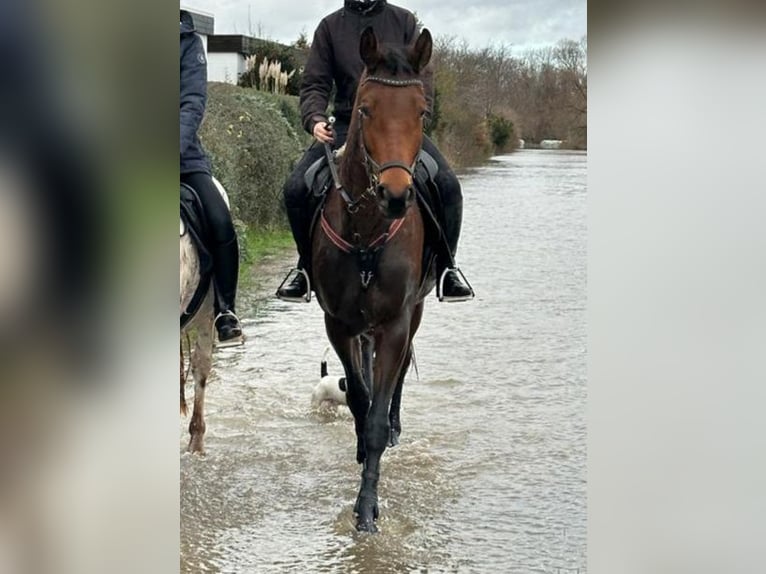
x=551, y=144
x=226, y=57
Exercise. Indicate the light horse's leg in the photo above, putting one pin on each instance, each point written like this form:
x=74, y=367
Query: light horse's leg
x=392, y=343
x=396, y=400
x=201, y=361
x=183, y=382
x=348, y=349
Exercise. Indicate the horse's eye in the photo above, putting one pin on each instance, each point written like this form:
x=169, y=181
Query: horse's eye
x=364, y=111
x=423, y=114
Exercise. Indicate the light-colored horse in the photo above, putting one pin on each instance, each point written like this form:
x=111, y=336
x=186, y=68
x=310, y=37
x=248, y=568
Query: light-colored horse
x=201, y=325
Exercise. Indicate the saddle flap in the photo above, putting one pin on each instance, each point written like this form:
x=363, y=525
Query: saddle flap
x=194, y=223
x=317, y=176
x=429, y=164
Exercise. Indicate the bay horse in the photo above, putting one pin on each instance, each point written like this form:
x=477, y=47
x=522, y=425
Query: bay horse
x=367, y=262
x=196, y=289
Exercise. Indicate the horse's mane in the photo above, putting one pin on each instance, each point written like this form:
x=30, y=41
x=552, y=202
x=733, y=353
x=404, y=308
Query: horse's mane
x=393, y=63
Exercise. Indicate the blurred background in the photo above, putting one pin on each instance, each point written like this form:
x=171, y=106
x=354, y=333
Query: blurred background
x=88, y=174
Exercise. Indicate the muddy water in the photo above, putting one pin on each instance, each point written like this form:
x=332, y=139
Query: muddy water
x=490, y=472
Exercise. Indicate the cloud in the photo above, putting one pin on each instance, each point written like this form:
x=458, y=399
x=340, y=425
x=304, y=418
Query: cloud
x=521, y=23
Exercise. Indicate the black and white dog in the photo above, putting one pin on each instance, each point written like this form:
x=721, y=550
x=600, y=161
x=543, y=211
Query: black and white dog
x=331, y=391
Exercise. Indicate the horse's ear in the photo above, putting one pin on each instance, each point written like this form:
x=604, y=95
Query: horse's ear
x=368, y=48
x=420, y=54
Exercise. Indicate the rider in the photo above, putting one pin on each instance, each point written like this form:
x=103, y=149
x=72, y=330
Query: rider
x=195, y=172
x=334, y=58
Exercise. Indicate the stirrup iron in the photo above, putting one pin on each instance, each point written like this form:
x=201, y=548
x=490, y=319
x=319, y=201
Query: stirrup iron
x=234, y=341
x=305, y=298
x=440, y=286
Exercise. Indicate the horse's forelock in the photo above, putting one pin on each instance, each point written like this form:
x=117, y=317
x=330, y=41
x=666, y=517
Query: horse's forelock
x=395, y=62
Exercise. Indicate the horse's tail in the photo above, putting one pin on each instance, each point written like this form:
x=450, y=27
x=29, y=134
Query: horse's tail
x=183, y=382
x=414, y=361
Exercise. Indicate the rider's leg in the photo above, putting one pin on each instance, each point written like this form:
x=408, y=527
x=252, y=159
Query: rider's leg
x=451, y=218
x=299, y=213
x=222, y=239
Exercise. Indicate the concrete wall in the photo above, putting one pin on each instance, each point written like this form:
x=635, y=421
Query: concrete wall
x=224, y=67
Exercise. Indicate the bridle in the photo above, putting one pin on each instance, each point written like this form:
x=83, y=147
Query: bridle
x=373, y=168
x=367, y=255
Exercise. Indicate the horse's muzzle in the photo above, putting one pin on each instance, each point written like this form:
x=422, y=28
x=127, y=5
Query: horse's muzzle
x=395, y=206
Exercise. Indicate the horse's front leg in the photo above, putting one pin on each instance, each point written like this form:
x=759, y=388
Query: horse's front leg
x=396, y=401
x=391, y=348
x=348, y=350
x=202, y=362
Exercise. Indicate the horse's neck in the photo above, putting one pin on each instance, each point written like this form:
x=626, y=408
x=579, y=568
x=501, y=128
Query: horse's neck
x=352, y=171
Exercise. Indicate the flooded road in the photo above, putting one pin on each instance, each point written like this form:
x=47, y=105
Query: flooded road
x=490, y=473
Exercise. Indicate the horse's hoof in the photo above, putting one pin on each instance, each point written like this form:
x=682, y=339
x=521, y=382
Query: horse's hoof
x=394, y=438
x=357, y=505
x=366, y=525
x=196, y=446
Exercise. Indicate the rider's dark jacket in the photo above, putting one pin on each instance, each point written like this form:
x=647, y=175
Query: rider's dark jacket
x=193, y=97
x=334, y=56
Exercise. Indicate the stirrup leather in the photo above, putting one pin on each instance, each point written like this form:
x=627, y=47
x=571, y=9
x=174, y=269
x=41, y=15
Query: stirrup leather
x=440, y=287
x=305, y=298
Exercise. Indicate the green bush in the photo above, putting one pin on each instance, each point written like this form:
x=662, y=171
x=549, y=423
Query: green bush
x=252, y=148
x=463, y=138
x=502, y=133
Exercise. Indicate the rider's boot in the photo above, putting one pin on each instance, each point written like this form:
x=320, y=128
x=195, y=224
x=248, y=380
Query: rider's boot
x=226, y=272
x=300, y=223
x=451, y=285
x=297, y=289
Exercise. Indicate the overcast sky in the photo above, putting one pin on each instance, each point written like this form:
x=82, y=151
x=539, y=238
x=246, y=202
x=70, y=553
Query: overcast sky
x=522, y=24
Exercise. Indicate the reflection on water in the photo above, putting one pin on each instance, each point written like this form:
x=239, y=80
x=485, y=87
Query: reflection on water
x=490, y=473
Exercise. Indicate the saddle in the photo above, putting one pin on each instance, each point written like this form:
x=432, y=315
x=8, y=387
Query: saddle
x=318, y=179
x=194, y=223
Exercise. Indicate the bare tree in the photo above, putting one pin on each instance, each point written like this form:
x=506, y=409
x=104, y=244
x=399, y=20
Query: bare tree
x=542, y=94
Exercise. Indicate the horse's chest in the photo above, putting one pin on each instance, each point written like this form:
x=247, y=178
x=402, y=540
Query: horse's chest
x=360, y=297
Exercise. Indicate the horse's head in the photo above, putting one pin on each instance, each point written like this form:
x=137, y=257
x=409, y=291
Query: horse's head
x=391, y=105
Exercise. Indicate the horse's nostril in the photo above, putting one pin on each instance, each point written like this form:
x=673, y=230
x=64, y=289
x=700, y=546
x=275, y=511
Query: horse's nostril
x=381, y=190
